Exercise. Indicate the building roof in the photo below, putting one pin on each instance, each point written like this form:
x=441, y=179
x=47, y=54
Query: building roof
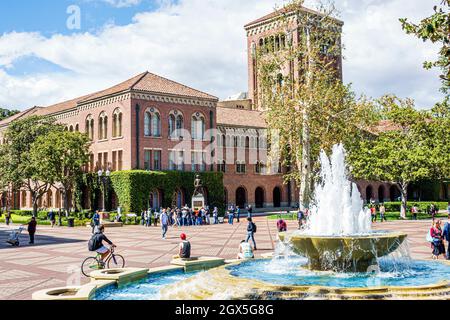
x=240, y=118
x=279, y=12
x=146, y=81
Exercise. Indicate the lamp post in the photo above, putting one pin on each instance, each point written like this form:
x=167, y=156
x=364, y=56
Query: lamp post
x=104, y=179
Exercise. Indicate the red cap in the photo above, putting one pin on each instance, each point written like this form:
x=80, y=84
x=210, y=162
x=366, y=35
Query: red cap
x=183, y=236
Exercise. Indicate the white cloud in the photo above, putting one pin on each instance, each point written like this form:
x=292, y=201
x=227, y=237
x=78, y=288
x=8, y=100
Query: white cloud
x=203, y=44
x=122, y=3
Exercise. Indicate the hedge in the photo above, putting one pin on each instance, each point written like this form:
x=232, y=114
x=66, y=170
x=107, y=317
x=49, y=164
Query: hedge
x=133, y=187
x=422, y=205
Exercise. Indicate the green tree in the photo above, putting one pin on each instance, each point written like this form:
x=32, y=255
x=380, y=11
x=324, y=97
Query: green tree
x=62, y=156
x=436, y=29
x=413, y=148
x=6, y=113
x=312, y=110
x=17, y=169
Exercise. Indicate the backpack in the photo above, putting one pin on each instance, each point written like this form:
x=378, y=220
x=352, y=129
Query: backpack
x=254, y=227
x=93, y=244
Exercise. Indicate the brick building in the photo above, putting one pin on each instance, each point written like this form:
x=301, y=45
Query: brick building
x=152, y=123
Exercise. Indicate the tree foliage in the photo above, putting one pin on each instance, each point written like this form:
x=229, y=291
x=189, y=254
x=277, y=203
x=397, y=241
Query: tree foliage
x=61, y=157
x=17, y=169
x=411, y=148
x=6, y=113
x=436, y=29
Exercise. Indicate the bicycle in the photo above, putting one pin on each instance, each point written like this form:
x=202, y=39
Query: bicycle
x=112, y=261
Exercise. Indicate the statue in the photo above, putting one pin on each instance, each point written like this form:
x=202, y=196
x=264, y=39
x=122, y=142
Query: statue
x=198, y=184
x=198, y=198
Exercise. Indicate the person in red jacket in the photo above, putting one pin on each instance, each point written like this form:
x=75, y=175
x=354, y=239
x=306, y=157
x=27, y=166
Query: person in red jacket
x=281, y=225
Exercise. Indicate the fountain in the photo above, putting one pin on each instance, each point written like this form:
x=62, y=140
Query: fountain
x=336, y=256
x=338, y=235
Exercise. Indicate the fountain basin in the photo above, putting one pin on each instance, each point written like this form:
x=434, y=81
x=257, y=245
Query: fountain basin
x=344, y=253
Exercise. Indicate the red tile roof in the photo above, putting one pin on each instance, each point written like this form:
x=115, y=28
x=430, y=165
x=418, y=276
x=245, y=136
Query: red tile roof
x=146, y=81
x=240, y=118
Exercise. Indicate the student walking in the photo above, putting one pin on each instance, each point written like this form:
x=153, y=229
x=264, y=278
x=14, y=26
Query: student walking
x=7, y=217
x=382, y=213
x=251, y=230
x=437, y=245
x=164, y=224
x=230, y=217
x=216, y=215
x=238, y=213
x=52, y=218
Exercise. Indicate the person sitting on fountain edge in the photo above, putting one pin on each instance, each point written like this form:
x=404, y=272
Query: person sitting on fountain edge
x=185, y=248
x=245, y=251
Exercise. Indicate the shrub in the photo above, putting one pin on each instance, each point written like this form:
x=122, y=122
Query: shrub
x=423, y=206
x=133, y=188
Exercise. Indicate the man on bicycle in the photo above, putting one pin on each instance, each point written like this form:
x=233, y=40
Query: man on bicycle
x=96, y=243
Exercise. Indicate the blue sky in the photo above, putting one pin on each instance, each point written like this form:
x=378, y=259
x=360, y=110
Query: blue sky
x=49, y=16
x=200, y=43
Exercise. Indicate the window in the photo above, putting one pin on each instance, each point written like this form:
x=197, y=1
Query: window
x=179, y=125
x=180, y=161
x=172, y=165
x=90, y=127
x=114, y=160
x=147, y=160
x=240, y=167
x=156, y=125
x=157, y=160
x=119, y=160
x=103, y=126
x=172, y=132
x=105, y=161
x=260, y=167
x=99, y=161
x=117, y=123
x=147, y=121
x=198, y=127
x=222, y=166
x=152, y=123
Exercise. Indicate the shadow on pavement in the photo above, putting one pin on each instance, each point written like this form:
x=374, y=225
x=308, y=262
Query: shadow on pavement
x=39, y=240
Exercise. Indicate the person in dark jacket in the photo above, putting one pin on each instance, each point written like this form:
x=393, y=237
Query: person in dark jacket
x=251, y=229
x=32, y=229
x=100, y=248
x=446, y=235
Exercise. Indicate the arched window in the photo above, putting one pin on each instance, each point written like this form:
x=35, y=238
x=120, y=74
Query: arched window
x=103, y=126
x=176, y=124
x=179, y=125
x=147, y=124
x=152, y=123
x=90, y=127
x=117, y=123
x=156, y=125
x=77, y=128
x=198, y=126
x=172, y=121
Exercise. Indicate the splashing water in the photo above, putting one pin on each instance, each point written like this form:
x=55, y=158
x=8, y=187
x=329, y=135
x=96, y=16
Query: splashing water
x=339, y=209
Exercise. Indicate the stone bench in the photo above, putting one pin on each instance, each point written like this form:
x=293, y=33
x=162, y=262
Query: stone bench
x=198, y=263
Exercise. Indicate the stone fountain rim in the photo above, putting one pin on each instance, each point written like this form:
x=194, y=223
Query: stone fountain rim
x=378, y=235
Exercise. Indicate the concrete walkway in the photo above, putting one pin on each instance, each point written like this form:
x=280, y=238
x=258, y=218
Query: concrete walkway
x=56, y=257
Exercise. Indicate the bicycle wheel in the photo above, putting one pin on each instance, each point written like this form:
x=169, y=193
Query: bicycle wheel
x=89, y=265
x=116, y=262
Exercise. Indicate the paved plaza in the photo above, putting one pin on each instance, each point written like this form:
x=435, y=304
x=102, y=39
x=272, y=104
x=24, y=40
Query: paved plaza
x=56, y=257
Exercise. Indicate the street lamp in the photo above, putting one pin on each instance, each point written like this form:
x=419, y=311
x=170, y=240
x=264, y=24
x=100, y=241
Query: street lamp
x=104, y=179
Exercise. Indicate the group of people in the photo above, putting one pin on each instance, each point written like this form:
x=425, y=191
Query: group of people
x=234, y=212
x=180, y=217
x=374, y=212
